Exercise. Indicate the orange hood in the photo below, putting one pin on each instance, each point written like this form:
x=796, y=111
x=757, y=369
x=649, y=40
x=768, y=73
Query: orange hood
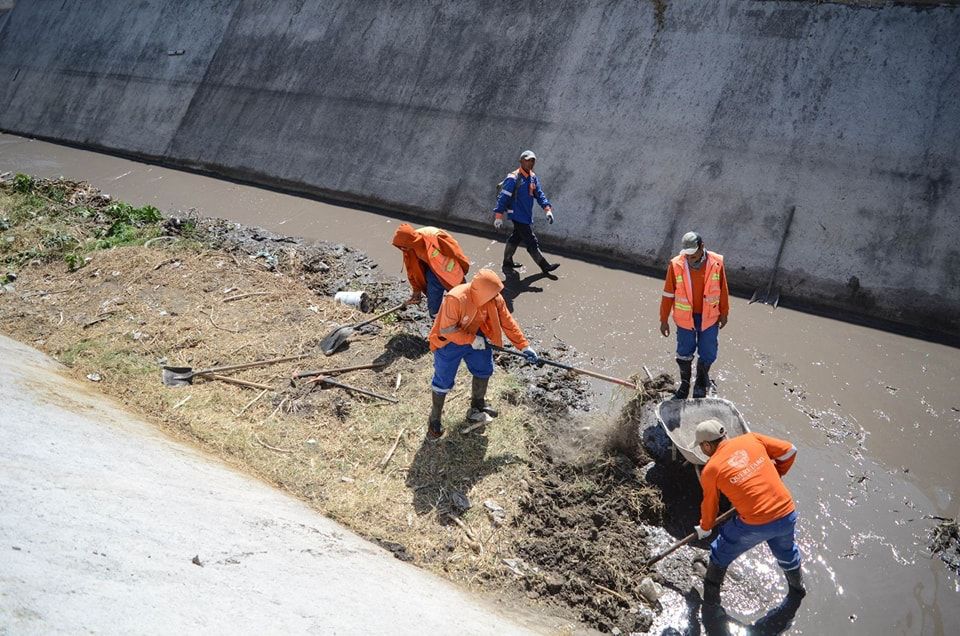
x=404, y=237
x=484, y=287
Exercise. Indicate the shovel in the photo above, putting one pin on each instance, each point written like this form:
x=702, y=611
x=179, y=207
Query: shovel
x=181, y=376
x=687, y=539
x=592, y=374
x=335, y=339
x=767, y=299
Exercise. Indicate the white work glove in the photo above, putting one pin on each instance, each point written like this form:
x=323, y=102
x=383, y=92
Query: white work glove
x=530, y=355
x=701, y=533
x=479, y=343
x=498, y=223
x=550, y=216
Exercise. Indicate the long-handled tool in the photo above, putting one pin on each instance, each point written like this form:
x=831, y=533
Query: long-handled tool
x=687, y=539
x=560, y=365
x=775, y=300
x=310, y=374
x=325, y=380
x=335, y=339
x=181, y=376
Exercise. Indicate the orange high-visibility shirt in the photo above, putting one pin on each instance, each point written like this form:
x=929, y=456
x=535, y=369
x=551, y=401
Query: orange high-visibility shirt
x=747, y=470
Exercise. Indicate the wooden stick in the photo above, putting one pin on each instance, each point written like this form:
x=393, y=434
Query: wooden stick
x=247, y=295
x=273, y=448
x=609, y=591
x=210, y=317
x=325, y=380
x=251, y=402
x=308, y=374
x=182, y=402
x=393, y=449
x=649, y=375
x=237, y=381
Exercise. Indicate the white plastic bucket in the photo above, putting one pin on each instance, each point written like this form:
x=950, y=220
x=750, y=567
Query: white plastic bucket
x=356, y=299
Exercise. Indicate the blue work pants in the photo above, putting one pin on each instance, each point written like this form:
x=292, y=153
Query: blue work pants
x=704, y=342
x=446, y=362
x=736, y=537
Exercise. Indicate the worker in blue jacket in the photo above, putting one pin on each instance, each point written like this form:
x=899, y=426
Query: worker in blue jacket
x=515, y=199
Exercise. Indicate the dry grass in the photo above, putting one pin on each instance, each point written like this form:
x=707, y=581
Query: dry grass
x=132, y=308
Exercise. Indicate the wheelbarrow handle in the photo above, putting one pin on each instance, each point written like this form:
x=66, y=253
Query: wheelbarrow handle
x=690, y=537
x=567, y=367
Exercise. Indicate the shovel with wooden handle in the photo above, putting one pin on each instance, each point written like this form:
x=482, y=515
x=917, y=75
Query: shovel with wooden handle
x=560, y=365
x=335, y=339
x=687, y=539
x=182, y=376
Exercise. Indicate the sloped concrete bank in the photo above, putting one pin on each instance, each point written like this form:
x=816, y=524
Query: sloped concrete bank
x=650, y=118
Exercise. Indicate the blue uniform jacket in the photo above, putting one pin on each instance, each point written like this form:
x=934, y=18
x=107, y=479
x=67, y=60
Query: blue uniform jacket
x=523, y=207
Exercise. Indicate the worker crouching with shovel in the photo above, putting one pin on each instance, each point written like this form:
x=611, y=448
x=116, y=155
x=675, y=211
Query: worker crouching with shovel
x=470, y=315
x=434, y=263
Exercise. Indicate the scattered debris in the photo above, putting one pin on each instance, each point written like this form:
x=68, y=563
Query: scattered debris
x=196, y=560
x=945, y=542
x=94, y=377
x=496, y=512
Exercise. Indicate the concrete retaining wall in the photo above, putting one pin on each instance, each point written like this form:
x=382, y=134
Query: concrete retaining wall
x=715, y=115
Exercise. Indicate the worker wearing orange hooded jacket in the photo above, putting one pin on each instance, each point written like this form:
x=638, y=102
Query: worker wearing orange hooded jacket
x=434, y=263
x=471, y=315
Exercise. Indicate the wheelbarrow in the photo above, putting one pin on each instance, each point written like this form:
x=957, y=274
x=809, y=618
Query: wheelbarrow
x=679, y=419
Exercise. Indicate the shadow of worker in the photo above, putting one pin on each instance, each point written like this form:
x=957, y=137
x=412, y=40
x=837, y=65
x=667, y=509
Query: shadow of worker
x=402, y=345
x=443, y=473
x=513, y=285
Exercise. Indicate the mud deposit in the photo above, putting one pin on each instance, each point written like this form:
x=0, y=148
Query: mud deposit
x=587, y=516
x=945, y=542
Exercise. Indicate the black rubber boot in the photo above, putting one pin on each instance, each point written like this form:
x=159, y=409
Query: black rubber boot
x=539, y=259
x=686, y=370
x=508, y=251
x=478, y=402
x=702, y=384
x=795, y=583
x=434, y=427
x=712, y=581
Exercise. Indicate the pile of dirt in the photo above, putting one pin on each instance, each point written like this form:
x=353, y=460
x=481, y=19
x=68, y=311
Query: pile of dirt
x=585, y=518
x=945, y=542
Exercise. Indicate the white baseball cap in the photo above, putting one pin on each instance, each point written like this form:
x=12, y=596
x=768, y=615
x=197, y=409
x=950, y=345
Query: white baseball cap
x=709, y=431
x=527, y=154
x=691, y=243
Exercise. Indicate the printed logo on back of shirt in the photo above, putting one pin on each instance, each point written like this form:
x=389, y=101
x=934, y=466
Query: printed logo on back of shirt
x=739, y=460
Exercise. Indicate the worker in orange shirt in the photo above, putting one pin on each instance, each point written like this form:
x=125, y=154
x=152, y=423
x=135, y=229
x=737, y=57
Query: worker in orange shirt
x=471, y=315
x=696, y=289
x=747, y=469
x=434, y=263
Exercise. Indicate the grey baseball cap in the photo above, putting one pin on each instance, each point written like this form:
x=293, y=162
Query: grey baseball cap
x=527, y=154
x=709, y=431
x=691, y=243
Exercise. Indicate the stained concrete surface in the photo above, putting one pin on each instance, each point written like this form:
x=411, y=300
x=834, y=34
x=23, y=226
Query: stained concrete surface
x=876, y=416
x=648, y=117
x=102, y=517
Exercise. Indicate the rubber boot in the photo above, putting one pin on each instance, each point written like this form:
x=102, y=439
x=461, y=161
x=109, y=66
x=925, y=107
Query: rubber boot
x=702, y=384
x=479, y=411
x=539, y=259
x=508, y=251
x=795, y=583
x=434, y=427
x=686, y=370
x=712, y=581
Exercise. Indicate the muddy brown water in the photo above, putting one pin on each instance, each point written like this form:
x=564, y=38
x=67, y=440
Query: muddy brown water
x=875, y=416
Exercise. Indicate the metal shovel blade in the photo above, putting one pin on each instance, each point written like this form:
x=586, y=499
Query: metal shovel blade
x=335, y=339
x=177, y=376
